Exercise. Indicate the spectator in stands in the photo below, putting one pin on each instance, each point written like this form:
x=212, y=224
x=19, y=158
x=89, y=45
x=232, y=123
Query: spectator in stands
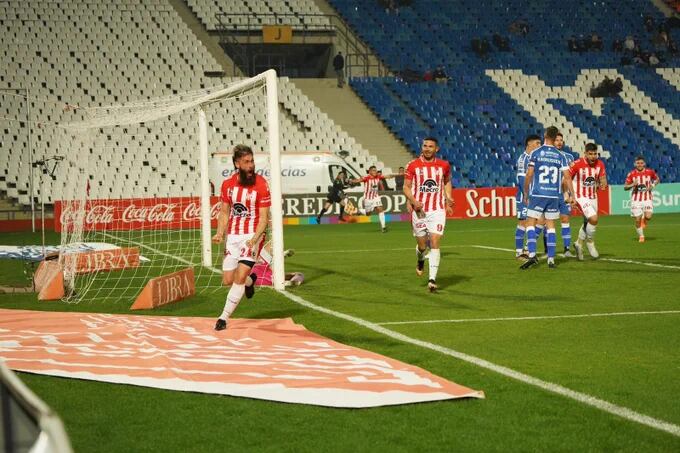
x=427, y=76
x=439, y=75
x=629, y=44
x=653, y=60
x=339, y=67
x=481, y=47
x=607, y=88
x=672, y=47
x=572, y=44
x=399, y=180
x=660, y=41
x=501, y=43
x=649, y=23
x=617, y=45
x=596, y=42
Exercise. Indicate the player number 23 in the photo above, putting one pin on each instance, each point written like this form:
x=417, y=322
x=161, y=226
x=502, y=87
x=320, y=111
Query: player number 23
x=547, y=175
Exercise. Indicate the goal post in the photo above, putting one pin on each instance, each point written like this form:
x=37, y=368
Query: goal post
x=117, y=209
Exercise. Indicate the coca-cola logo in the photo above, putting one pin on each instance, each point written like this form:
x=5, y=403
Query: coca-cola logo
x=192, y=212
x=158, y=213
x=97, y=214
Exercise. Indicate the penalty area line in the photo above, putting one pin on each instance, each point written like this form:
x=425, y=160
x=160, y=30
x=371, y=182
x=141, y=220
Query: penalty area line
x=583, y=398
x=532, y=318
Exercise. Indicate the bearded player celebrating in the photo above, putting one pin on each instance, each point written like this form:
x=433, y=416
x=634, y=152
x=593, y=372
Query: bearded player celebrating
x=243, y=216
x=427, y=186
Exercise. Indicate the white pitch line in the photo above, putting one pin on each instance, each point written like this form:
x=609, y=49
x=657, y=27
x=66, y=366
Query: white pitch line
x=531, y=318
x=583, y=398
x=613, y=260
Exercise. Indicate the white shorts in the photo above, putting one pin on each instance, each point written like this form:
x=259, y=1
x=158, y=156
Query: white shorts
x=433, y=222
x=370, y=205
x=638, y=208
x=237, y=251
x=588, y=206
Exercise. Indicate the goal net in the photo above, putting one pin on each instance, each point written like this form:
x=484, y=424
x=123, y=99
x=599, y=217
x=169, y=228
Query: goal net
x=140, y=189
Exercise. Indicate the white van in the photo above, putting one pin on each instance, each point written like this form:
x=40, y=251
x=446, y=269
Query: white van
x=311, y=172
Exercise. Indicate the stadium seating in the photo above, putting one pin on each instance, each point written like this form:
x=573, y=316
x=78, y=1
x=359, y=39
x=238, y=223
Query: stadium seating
x=91, y=53
x=245, y=14
x=490, y=104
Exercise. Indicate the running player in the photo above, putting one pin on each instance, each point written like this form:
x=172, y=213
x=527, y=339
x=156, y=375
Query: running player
x=530, y=144
x=565, y=208
x=542, y=191
x=243, y=217
x=589, y=174
x=427, y=186
x=372, y=201
x=642, y=180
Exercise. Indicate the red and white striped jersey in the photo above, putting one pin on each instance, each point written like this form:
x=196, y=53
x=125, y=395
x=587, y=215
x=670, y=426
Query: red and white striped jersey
x=371, y=186
x=427, y=181
x=643, y=182
x=586, y=177
x=245, y=202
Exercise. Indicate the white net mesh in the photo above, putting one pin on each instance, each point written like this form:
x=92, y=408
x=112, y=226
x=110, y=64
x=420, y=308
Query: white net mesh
x=132, y=180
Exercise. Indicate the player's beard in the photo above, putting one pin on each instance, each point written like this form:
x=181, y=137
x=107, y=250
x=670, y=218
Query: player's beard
x=246, y=178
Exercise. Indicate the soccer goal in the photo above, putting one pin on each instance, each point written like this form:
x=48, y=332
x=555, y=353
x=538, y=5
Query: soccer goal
x=141, y=184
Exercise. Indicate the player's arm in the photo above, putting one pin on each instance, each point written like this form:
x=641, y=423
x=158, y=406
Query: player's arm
x=603, y=182
x=568, y=183
x=656, y=181
x=222, y=218
x=527, y=182
x=629, y=184
x=417, y=206
x=261, y=226
x=448, y=191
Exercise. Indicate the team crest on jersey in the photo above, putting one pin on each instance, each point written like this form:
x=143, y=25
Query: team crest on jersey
x=429, y=186
x=542, y=153
x=589, y=181
x=240, y=210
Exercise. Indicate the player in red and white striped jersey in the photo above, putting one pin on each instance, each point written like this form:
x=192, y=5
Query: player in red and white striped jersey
x=427, y=186
x=642, y=181
x=372, y=201
x=589, y=175
x=243, y=217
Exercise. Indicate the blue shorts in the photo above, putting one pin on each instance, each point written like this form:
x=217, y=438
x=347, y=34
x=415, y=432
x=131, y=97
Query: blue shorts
x=521, y=210
x=565, y=209
x=544, y=207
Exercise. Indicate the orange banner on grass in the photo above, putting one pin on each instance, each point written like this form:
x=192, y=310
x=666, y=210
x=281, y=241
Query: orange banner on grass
x=271, y=359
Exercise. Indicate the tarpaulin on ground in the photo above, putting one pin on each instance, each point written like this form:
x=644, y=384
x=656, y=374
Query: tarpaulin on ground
x=271, y=359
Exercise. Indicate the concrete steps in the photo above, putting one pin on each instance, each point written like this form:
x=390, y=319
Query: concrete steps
x=345, y=107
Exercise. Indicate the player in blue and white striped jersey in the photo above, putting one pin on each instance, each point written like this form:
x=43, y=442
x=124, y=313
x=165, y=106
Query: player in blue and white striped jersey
x=530, y=143
x=543, y=188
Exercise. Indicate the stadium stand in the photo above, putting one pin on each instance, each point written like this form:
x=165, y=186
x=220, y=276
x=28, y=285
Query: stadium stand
x=489, y=104
x=244, y=14
x=91, y=53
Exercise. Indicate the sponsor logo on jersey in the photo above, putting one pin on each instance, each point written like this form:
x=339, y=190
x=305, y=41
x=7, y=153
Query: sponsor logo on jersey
x=589, y=181
x=239, y=210
x=429, y=186
x=641, y=188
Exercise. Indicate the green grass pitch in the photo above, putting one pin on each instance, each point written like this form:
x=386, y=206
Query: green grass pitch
x=630, y=360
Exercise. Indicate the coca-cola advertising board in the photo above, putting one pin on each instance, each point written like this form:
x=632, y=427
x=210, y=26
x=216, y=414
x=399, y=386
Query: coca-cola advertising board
x=136, y=214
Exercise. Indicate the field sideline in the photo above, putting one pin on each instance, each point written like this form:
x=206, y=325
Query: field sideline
x=606, y=329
